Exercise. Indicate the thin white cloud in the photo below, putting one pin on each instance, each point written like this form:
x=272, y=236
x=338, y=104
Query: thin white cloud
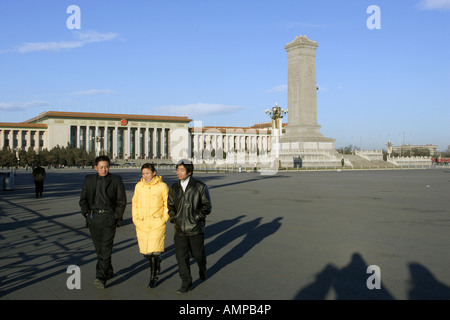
x=434, y=5
x=92, y=92
x=280, y=88
x=21, y=106
x=48, y=46
x=83, y=38
x=94, y=36
x=197, y=109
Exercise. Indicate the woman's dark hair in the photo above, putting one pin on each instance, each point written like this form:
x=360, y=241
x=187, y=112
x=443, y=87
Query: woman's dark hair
x=148, y=166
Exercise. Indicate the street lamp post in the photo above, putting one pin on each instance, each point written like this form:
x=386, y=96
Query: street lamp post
x=276, y=114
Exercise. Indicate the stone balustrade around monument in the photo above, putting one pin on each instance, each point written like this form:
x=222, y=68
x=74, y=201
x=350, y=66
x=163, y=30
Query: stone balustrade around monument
x=371, y=155
x=411, y=161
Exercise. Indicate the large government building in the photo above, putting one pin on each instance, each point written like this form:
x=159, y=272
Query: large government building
x=127, y=136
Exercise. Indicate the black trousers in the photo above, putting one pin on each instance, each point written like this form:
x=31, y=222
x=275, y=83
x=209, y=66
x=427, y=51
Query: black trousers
x=39, y=187
x=102, y=227
x=185, y=245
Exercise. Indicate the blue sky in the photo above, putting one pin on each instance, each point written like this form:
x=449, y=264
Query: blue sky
x=223, y=62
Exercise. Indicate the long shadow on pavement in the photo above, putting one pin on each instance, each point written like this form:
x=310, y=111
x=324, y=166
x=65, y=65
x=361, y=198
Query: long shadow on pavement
x=350, y=283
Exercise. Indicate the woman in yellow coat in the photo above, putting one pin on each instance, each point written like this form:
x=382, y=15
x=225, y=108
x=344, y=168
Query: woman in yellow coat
x=150, y=215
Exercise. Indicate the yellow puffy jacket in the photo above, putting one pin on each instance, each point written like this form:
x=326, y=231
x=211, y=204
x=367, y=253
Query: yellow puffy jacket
x=150, y=214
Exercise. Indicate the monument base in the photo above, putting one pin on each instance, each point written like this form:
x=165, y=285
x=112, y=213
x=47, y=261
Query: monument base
x=307, y=152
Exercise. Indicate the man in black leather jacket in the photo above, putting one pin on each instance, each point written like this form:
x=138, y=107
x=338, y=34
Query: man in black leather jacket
x=189, y=203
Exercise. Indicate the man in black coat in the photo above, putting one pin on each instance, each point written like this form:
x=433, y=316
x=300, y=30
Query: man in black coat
x=189, y=203
x=103, y=201
x=38, y=177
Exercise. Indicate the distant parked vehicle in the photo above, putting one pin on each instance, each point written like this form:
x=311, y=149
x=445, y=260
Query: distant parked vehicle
x=130, y=164
x=444, y=161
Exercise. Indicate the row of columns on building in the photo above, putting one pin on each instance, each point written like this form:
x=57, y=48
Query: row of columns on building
x=23, y=139
x=123, y=142
x=204, y=144
x=147, y=142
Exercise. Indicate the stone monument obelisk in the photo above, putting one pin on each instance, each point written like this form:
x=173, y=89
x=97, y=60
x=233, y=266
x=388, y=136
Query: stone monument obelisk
x=302, y=136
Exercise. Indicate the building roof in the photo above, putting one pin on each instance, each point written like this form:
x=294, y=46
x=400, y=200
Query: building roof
x=36, y=122
x=19, y=125
x=63, y=114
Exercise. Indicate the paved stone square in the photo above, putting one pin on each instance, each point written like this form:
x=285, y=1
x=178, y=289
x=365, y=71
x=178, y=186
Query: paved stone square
x=299, y=235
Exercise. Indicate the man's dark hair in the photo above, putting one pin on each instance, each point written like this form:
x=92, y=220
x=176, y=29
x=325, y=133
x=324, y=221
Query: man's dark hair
x=102, y=158
x=148, y=166
x=187, y=164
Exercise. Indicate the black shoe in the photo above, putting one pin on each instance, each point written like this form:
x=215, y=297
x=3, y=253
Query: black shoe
x=99, y=283
x=184, y=289
x=154, y=266
x=202, y=275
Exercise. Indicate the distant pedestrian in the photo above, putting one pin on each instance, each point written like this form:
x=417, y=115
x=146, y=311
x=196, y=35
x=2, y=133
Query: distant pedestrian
x=189, y=203
x=39, y=177
x=150, y=215
x=103, y=201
